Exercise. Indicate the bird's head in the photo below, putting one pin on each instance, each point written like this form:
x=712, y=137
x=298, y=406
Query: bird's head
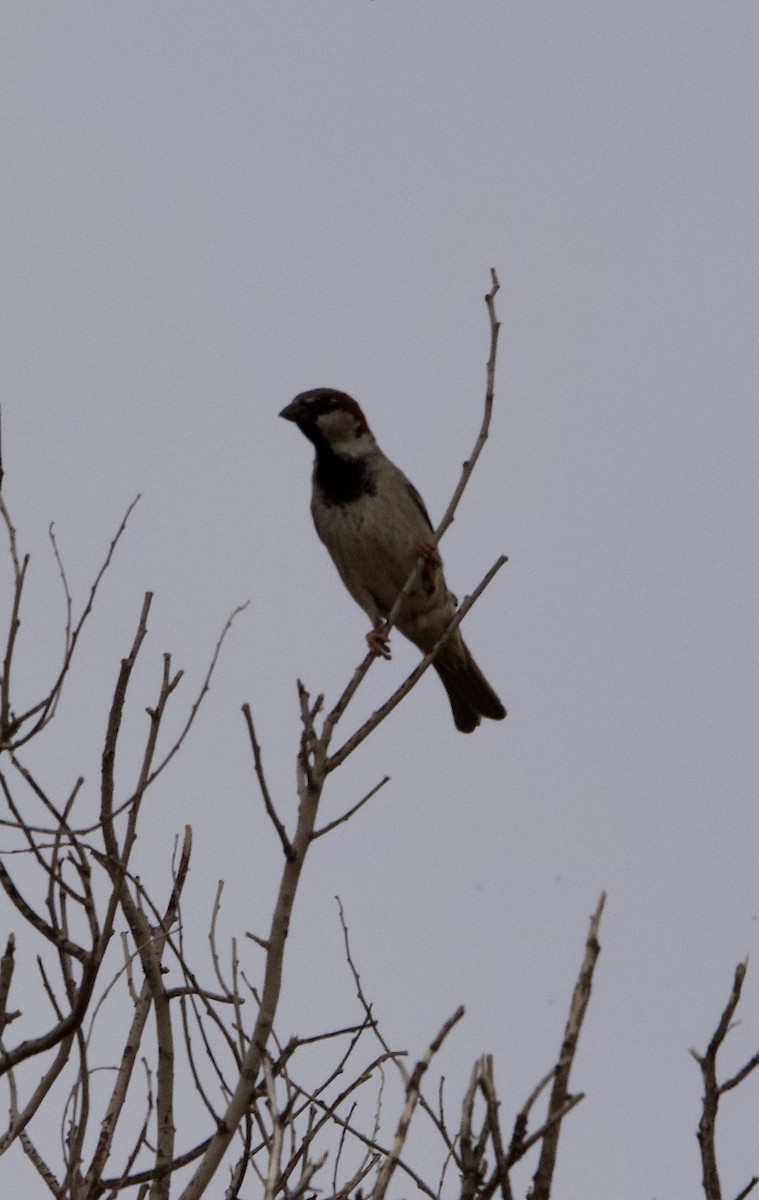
x=332, y=419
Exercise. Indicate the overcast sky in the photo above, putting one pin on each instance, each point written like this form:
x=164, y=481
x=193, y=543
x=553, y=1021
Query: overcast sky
x=208, y=207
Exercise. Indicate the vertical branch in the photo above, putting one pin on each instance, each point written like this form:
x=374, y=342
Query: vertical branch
x=707, y=1126
x=6, y=975
x=560, y=1097
x=142, y=1005
x=471, y=1153
x=112, y=733
x=501, y=1169
x=278, y=1134
x=143, y=934
x=310, y=784
x=8, y=725
x=482, y=437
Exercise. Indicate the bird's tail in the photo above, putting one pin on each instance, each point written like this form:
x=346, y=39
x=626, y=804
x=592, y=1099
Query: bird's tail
x=470, y=695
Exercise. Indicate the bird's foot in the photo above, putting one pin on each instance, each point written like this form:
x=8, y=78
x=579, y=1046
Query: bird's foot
x=378, y=643
x=432, y=564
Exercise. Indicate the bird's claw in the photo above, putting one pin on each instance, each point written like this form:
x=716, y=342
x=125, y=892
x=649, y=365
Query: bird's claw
x=378, y=643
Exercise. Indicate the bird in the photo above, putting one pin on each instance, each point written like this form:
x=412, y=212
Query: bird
x=375, y=526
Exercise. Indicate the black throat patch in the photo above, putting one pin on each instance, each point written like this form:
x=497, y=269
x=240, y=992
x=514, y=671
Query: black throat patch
x=342, y=480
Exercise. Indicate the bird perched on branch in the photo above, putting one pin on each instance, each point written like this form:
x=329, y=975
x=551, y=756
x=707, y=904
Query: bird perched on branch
x=375, y=526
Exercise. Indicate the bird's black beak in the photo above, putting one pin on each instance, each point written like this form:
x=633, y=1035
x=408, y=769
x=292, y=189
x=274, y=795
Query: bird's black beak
x=295, y=411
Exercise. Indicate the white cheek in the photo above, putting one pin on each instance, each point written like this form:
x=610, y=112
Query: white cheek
x=337, y=426
x=339, y=431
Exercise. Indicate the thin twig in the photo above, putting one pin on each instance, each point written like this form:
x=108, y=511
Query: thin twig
x=44, y=708
x=355, y=740
x=371, y=1143
x=347, y=815
x=205, y=688
x=482, y=437
x=748, y=1188
x=262, y=784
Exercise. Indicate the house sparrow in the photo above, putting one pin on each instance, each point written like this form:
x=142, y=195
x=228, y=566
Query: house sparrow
x=375, y=526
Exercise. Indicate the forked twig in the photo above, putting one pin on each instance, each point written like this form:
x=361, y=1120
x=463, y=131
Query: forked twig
x=713, y=1091
x=355, y=740
x=44, y=709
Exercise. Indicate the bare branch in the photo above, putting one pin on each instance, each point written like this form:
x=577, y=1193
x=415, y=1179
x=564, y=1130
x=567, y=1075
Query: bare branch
x=471, y=1154
x=516, y=1147
x=487, y=1086
x=134, y=1037
x=236, y=1096
x=28, y=1146
x=6, y=975
x=447, y=519
x=38, y=1162
x=748, y=1188
x=361, y=996
x=347, y=815
x=252, y=1062
x=412, y=1097
x=370, y=1142
x=143, y=1177
x=44, y=709
x=55, y=1037
x=554, y=1119
x=482, y=437
x=707, y=1126
x=275, y=1152
x=205, y=688
x=32, y=918
x=385, y=709
x=263, y=786
x=559, y=1103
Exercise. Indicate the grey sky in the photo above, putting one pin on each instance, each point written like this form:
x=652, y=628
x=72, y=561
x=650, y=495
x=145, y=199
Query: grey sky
x=207, y=208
